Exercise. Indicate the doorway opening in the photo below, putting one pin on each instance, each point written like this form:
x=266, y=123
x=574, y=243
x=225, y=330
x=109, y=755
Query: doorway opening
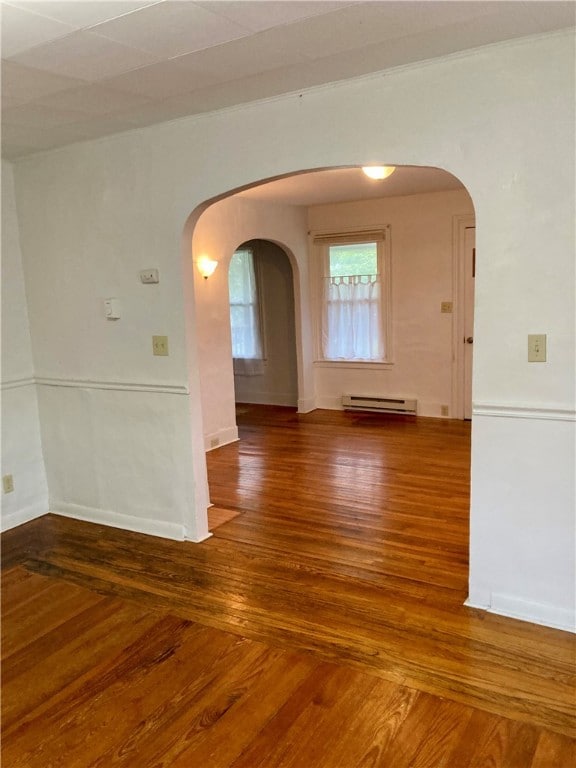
x=262, y=322
x=420, y=217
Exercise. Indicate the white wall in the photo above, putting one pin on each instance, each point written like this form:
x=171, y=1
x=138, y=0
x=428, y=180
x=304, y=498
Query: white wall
x=421, y=232
x=21, y=445
x=501, y=119
x=83, y=244
x=220, y=230
x=524, y=490
x=277, y=383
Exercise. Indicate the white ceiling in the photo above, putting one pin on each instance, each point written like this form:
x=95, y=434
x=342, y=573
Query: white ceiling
x=339, y=185
x=74, y=70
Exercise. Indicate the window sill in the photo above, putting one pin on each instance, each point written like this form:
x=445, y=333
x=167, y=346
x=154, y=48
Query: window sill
x=367, y=366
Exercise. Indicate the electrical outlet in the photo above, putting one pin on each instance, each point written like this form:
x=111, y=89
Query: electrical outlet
x=149, y=276
x=8, y=483
x=214, y=443
x=537, y=348
x=444, y=410
x=160, y=345
x=446, y=307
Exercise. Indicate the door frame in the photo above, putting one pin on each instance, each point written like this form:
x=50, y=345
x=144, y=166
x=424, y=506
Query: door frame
x=460, y=223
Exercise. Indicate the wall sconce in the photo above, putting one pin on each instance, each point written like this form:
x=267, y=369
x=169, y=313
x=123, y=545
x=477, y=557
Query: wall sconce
x=206, y=266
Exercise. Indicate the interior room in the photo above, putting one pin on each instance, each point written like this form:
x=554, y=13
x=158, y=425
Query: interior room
x=205, y=558
x=426, y=211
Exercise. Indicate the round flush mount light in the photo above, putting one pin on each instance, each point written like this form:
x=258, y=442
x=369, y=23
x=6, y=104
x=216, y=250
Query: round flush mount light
x=379, y=171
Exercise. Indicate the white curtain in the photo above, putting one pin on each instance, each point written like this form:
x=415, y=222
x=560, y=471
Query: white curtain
x=352, y=327
x=245, y=315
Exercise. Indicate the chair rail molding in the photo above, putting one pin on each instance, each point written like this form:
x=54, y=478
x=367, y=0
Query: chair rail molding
x=123, y=386
x=505, y=410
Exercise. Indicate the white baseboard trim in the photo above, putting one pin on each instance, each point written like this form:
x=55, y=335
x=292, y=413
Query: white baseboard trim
x=478, y=598
x=329, y=403
x=197, y=540
x=150, y=527
x=267, y=398
x=221, y=437
x=431, y=410
x=306, y=404
x=22, y=516
x=525, y=610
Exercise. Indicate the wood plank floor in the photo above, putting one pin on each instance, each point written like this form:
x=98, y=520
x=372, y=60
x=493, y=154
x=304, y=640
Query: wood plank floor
x=218, y=516
x=93, y=680
x=322, y=627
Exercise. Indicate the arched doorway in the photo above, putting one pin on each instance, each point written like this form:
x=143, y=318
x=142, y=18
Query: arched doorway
x=262, y=319
x=427, y=236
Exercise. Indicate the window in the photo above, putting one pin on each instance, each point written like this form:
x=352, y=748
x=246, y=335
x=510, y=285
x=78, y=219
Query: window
x=354, y=290
x=245, y=313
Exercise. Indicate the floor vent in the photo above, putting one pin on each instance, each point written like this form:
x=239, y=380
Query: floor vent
x=379, y=404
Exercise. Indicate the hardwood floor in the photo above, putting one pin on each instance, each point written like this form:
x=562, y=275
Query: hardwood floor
x=92, y=680
x=322, y=627
x=218, y=516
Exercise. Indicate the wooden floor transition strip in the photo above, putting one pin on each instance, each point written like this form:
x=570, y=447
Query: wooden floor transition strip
x=217, y=516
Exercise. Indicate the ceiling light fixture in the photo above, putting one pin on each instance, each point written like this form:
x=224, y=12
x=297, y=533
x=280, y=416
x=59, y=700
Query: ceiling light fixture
x=378, y=171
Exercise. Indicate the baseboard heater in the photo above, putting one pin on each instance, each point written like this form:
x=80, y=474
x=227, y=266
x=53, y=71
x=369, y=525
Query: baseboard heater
x=379, y=404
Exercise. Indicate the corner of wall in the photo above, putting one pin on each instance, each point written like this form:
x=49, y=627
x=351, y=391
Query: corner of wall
x=22, y=455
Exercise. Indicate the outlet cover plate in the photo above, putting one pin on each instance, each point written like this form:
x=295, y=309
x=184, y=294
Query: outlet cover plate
x=149, y=276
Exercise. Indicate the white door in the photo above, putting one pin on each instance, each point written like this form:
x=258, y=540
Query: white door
x=468, y=338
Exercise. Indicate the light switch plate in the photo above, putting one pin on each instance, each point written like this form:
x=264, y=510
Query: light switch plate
x=112, y=309
x=160, y=345
x=537, y=348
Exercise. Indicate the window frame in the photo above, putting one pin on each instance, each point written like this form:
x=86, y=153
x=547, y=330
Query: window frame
x=320, y=242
